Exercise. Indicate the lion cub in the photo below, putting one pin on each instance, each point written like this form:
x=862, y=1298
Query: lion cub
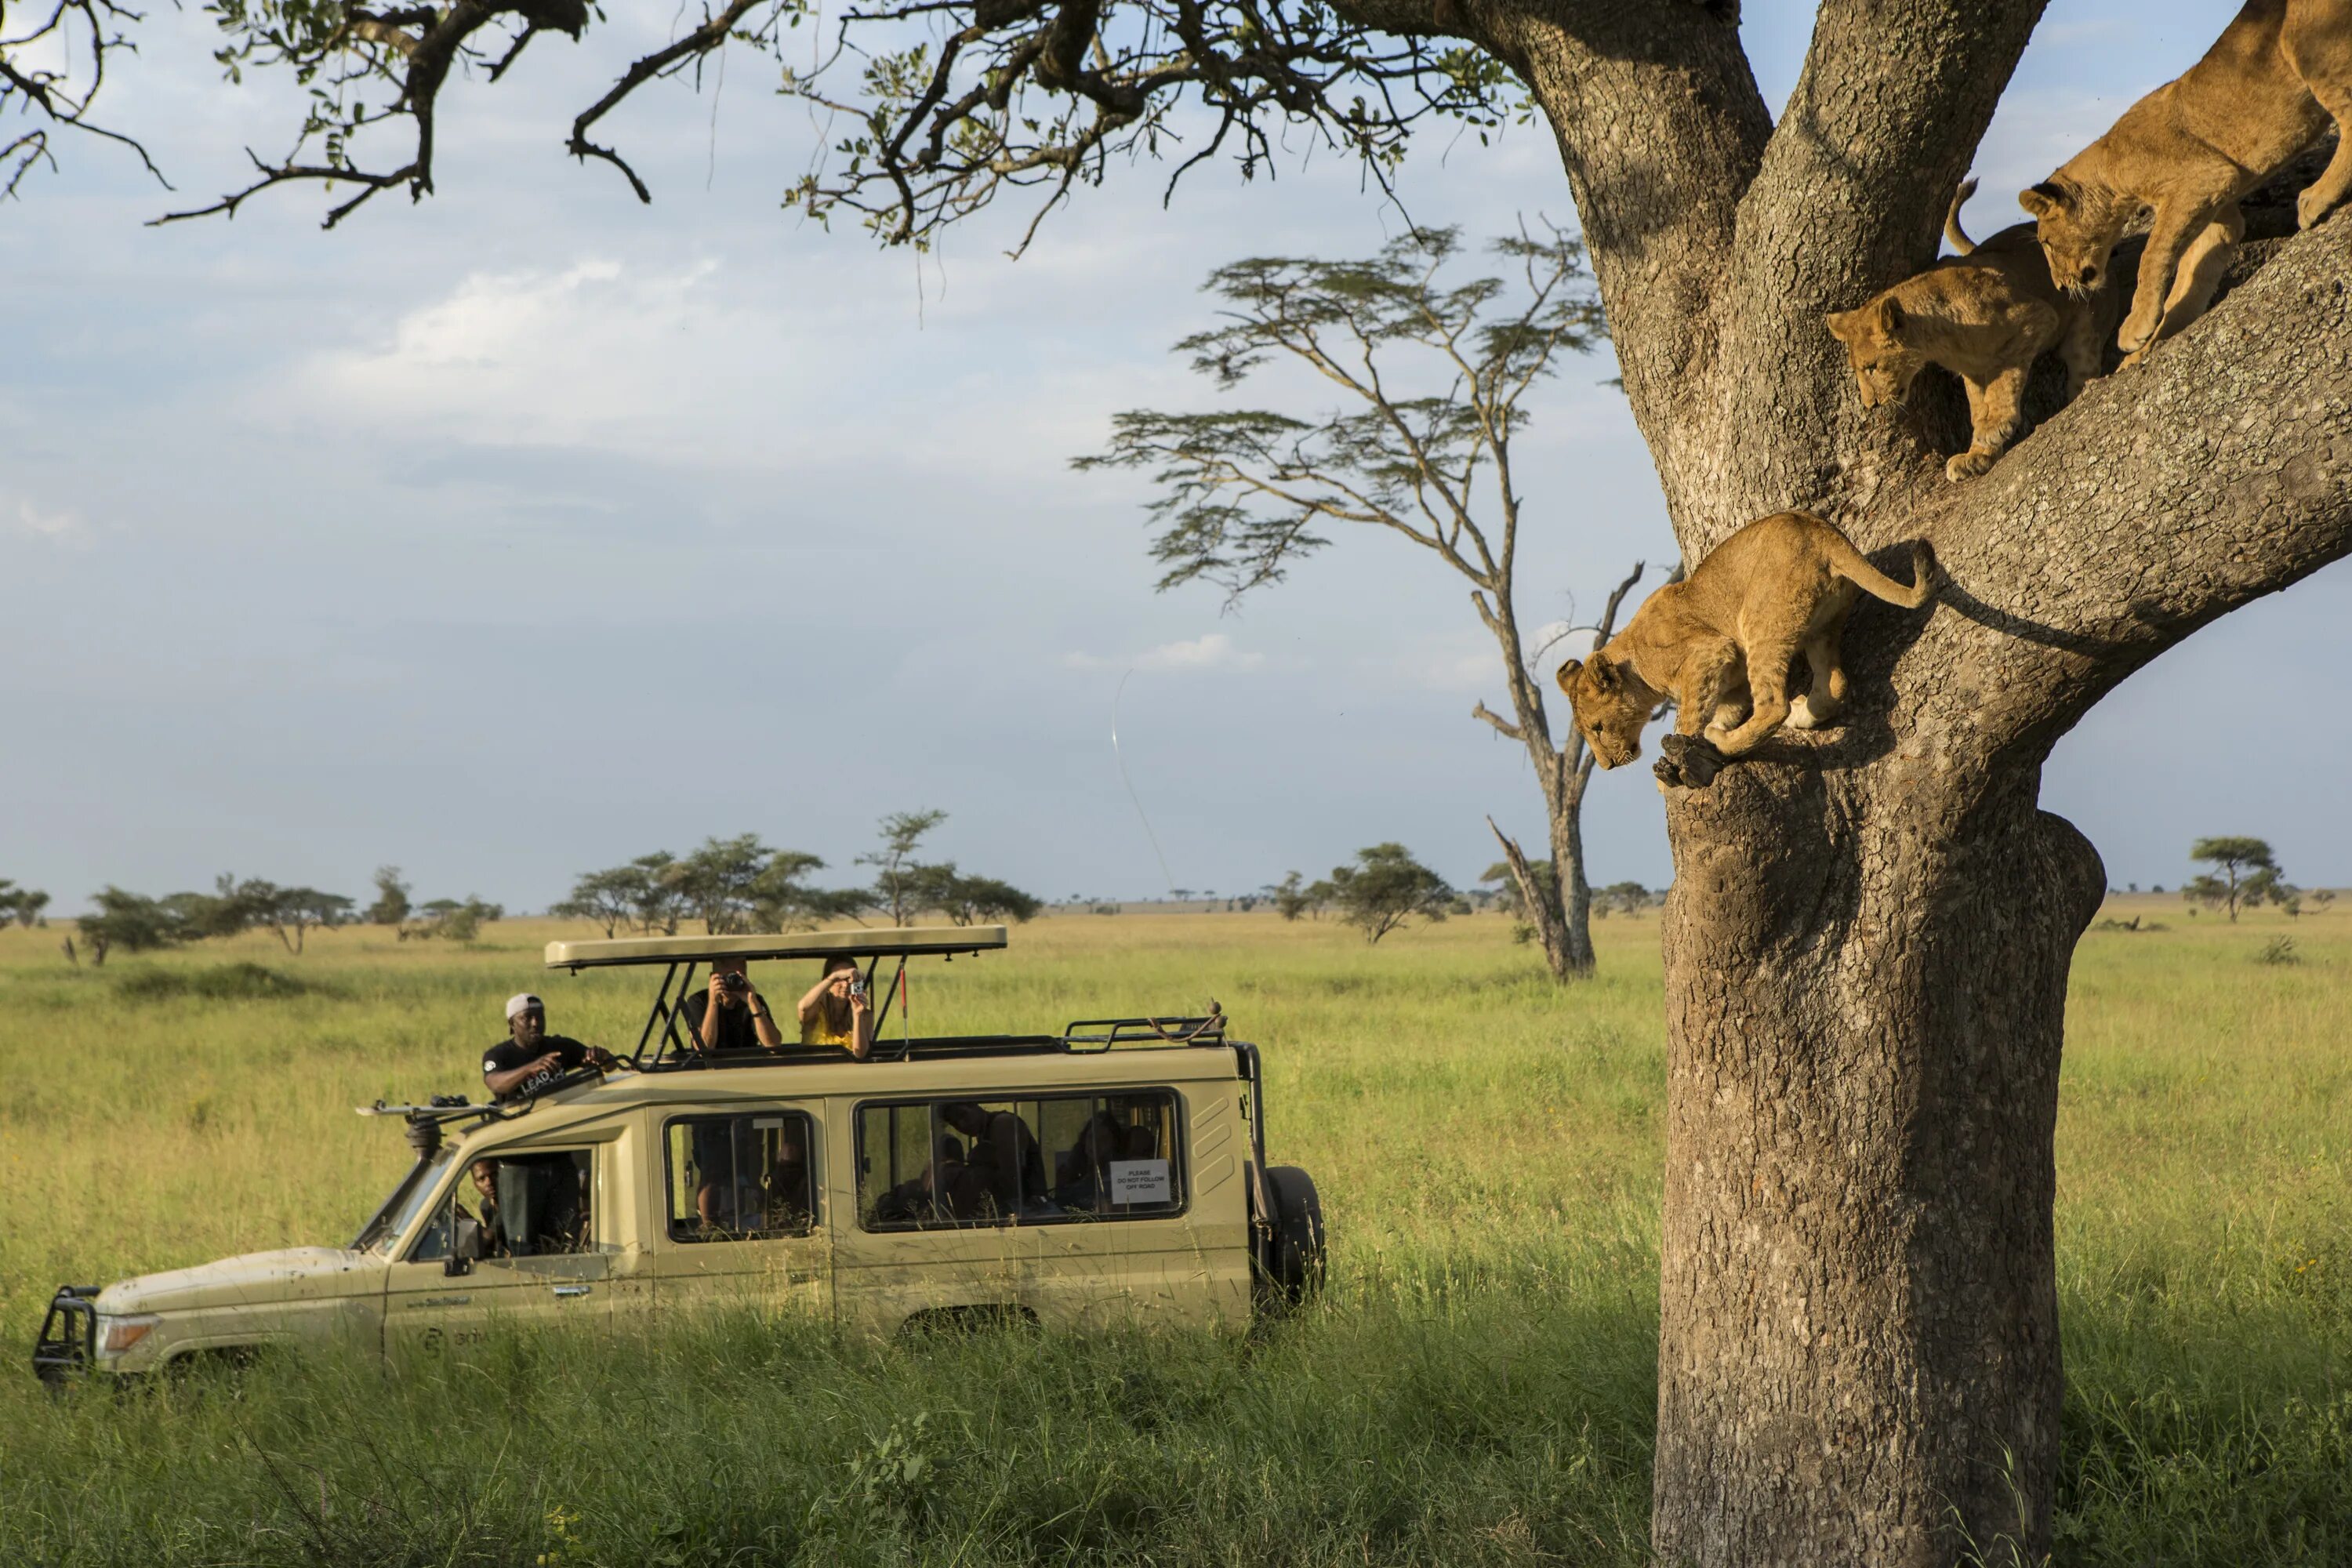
x=1721, y=643
x=1985, y=315
x=2187, y=151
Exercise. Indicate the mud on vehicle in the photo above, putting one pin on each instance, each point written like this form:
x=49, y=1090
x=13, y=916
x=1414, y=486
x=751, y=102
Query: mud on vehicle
x=1114, y=1172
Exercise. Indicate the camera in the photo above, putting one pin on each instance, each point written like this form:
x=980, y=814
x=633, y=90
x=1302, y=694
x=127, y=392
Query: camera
x=734, y=981
x=857, y=985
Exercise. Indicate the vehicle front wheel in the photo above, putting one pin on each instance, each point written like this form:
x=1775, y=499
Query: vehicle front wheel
x=1291, y=1264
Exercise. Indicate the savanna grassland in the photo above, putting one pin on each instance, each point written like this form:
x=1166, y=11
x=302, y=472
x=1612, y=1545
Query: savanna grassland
x=1476, y=1387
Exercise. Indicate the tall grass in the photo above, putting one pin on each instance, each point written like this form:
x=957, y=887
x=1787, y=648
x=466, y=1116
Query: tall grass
x=1477, y=1387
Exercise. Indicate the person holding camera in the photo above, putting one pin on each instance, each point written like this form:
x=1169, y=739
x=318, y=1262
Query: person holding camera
x=731, y=1015
x=837, y=1011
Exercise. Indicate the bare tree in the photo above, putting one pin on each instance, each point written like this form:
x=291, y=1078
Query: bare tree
x=39, y=100
x=1430, y=374
x=1868, y=936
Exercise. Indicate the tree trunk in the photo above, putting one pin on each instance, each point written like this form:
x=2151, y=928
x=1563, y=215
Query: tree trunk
x=1859, y=1333
x=1868, y=935
x=1568, y=859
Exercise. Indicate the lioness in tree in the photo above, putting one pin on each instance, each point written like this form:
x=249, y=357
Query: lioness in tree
x=1985, y=315
x=2187, y=154
x=1721, y=643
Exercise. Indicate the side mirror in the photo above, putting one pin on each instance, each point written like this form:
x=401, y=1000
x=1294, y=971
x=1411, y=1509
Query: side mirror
x=466, y=1249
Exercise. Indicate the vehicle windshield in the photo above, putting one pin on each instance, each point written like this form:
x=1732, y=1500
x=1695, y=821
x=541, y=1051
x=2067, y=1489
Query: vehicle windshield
x=406, y=1199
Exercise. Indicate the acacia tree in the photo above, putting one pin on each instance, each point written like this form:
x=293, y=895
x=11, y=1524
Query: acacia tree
x=2245, y=871
x=1383, y=890
x=1867, y=939
x=1431, y=376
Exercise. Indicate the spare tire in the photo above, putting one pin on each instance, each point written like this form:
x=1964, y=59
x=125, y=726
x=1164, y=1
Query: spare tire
x=1291, y=1268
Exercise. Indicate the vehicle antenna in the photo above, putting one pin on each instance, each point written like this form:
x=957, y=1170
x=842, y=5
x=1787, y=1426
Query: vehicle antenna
x=1165, y=875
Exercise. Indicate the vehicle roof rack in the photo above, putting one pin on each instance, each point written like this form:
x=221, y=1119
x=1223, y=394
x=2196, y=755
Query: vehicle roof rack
x=1107, y=1034
x=899, y=942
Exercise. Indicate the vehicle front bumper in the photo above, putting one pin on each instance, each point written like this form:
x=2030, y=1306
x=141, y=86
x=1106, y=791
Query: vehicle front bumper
x=68, y=1341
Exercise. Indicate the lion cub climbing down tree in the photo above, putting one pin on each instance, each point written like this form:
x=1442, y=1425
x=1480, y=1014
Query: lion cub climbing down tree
x=1721, y=643
x=1985, y=315
x=2189, y=151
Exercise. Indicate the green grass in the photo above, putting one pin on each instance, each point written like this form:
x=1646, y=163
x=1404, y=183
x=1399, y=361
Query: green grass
x=1479, y=1386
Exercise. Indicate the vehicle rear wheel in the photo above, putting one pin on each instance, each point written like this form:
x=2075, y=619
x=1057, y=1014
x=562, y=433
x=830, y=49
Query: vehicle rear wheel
x=1291, y=1266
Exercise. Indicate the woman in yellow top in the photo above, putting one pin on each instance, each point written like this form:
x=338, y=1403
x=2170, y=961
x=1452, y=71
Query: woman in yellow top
x=837, y=1011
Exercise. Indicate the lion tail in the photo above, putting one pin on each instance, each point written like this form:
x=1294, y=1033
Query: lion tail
x=1958, y=236
x=1850, y=565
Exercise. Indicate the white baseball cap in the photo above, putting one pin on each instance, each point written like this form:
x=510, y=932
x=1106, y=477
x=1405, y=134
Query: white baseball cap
x=523, y=1001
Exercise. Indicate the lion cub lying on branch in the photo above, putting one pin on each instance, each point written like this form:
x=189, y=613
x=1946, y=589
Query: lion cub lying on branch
x=1985, y=315
x=1721, y=643
x=2191, y=150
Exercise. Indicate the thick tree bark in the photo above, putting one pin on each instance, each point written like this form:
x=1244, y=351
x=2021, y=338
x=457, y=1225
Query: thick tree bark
x=1869, y=932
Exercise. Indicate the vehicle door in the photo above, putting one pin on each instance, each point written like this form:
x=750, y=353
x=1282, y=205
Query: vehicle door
x=936, y=1223
x=1129, y=1233
x=524, y=1235
x=742, y=1219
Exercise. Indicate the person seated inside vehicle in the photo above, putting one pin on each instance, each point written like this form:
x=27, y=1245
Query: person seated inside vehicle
x=729, y=1014
x=1003, y=1151
x=1082, y=1172
x=485, y=1176
x=837, y=1011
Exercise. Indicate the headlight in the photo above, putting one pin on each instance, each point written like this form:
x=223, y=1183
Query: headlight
x=116, y=1335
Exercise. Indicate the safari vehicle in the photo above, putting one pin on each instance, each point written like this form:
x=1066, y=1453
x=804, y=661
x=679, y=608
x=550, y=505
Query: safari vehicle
x=1113, y=1172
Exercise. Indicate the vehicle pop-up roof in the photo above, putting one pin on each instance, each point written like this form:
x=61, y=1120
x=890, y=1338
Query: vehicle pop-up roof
x=683, y=954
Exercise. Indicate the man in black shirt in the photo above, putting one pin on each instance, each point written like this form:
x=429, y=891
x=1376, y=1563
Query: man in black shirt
x=1004, y=1152
x=530, y=1059
x=538, y=1199
x=731, y=1015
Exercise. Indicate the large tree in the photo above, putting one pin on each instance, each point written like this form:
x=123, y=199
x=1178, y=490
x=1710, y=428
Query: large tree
x=1867, y=942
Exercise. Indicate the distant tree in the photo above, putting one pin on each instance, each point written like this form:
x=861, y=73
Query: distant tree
x=454, y=920
x=1384, y=888
x=391, y=906
x=969, y=900
x=23, y=905
x=783, y=900
x=292, y=912
x=1625, y=897
x=1430, y=371
x=130, y=922
x=606, y=898
x=2245, y=872
x=896, y=889
x=719, y=882
x=657, y=905
x=2323, y=897
x=1290, y=897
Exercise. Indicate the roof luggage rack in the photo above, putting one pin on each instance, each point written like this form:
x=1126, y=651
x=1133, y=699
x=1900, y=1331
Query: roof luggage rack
x=1107, y=1034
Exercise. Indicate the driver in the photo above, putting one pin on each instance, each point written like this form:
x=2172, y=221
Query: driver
x=530, y=1059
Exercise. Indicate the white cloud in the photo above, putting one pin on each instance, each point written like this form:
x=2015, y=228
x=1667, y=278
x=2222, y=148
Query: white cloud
x=1214, y=651
x=56, y=527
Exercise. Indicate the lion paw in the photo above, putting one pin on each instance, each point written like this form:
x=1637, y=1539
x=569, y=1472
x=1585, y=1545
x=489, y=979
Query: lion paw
x=1966, y=465
x=2312, y=206
x=2135, y=340
x=1689, y=761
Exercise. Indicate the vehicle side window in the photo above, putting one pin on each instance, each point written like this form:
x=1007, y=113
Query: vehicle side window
x=745, y=1177
x=516, y=1206
x=1030, y=1160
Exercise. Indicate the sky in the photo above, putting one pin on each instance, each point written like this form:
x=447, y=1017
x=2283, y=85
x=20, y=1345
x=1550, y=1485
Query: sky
x=529, y=529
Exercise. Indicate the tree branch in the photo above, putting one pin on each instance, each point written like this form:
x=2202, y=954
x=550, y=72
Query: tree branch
x=2161, y=499
x=1503, y=726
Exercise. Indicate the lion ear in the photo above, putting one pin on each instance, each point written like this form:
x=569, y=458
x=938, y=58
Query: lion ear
x=1604, y=675
x=2042, y=200
x=1841, y=323
x=1566, y=675
x=1890, y=316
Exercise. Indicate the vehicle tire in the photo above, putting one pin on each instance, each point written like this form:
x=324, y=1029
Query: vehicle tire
x=1292, y=1268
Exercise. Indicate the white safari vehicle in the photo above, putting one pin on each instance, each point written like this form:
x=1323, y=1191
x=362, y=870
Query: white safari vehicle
x=1114, y=1172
